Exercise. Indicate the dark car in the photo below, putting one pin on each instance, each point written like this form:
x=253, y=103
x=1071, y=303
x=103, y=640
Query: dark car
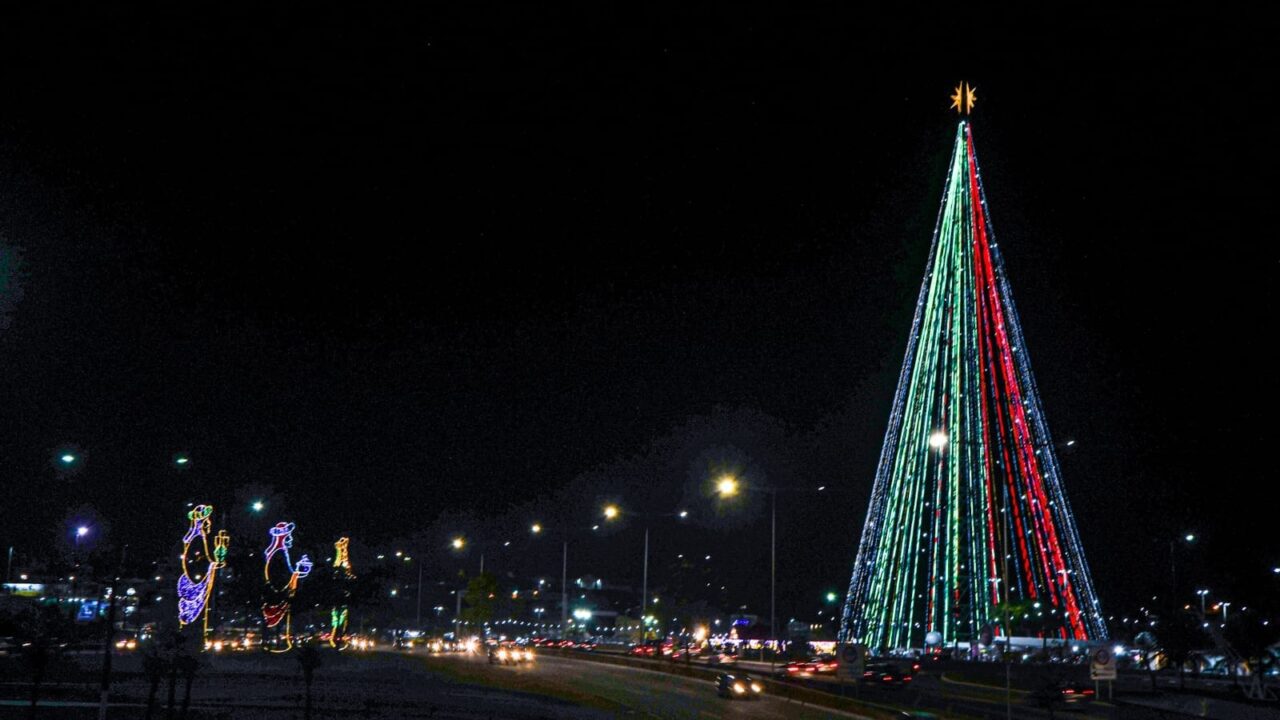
x=738, y=686
x=1063, y=695
x=886, y=674
x=722, y=658
x=820, y=665
x=644, y=651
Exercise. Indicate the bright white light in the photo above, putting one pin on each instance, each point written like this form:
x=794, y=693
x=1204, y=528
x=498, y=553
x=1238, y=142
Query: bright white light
x=183, y=460
x=582, y=614
x=1190, y=538
x=535, y=529
x=68, y=458
x=258, y=505
x=938, y=440
x=82, y=531
x=684, y=513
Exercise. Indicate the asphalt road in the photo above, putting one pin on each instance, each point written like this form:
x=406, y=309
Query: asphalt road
x=929, y=691
x=646, y=693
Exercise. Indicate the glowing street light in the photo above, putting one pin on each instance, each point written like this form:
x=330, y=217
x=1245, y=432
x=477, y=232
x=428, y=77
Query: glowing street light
x=684, y=514
x=727, y=486
x=458, y=543
x=67, y=459
x=258, y=506
x=535, y=528
x=938, y=440
x=82, y=531
x=831, y=597
x=611, y=512
x=1190, y=537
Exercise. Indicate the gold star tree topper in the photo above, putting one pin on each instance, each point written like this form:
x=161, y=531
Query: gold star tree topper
x=964, y=98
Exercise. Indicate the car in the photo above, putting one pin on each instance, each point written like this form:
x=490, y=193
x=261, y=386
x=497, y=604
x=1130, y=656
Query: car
x=820, y=665
x=722, y=659
x=644, y=650
x=1063, y=695
x=738, y=686
x=825, y=664
x=886, y=674
x=508, y=654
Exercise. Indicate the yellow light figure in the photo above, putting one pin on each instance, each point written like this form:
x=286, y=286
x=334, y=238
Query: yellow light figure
x=194, y=593
x=338, y=614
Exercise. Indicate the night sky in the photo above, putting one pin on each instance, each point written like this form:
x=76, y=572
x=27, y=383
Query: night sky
x=505, y=266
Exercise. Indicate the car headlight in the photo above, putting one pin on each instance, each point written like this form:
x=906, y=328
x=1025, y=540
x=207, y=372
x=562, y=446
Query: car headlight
x=502, y=654
x=739, y=688
x=757, y=687
x=528, y=655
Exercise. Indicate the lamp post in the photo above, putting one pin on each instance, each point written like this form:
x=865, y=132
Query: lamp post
x=613, y=512
x=1202, y=594
x=728, y=486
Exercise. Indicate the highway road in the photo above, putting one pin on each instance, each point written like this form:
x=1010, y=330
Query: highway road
x=929, y=691
x=639, y=692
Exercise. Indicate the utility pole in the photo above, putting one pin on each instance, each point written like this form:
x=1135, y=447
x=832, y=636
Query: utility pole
x=105, y=688
x=773, y=577
x=644, y=586
x=418, y=625
x=564, y=590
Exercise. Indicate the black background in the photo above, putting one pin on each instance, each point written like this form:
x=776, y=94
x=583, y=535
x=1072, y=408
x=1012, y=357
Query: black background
x=396, y=263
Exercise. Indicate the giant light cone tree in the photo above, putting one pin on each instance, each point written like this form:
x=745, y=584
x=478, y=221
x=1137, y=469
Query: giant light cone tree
x=968, y=516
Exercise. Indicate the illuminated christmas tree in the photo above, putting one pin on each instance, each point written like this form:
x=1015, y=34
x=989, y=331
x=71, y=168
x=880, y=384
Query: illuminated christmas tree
x=968, y=516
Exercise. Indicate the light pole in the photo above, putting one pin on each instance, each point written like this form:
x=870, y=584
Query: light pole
x=1202, y=593
x=613, y=512
x=564, y=589
x=418, y=625
x=727, y=487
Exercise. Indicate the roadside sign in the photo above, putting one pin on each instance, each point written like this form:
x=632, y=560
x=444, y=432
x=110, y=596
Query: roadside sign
x=1102, y=664
x=851, y=661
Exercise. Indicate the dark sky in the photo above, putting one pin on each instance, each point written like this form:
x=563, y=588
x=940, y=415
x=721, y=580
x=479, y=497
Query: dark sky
x=396, y=264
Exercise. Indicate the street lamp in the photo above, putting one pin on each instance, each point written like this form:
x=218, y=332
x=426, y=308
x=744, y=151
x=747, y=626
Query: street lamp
x=728, y=487
x=1202, y=593
x=258, y=506
x=611, y=512
x=535, y=528
x=81, y=532
x=458, y=543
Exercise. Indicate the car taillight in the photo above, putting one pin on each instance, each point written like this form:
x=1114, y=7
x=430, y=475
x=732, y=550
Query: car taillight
x=1087, y=692
x=792, y=669
x=1068, y=691
x=906, y=678
x=888, y=678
